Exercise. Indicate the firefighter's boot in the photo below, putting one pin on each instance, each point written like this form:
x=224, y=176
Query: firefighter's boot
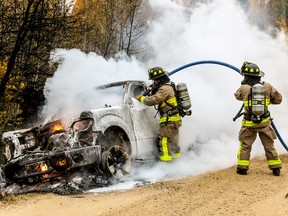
x=242, y=171
x=276, y=171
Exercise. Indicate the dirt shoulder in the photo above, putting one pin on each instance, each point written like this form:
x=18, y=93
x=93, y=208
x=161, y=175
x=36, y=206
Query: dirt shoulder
x=216, y=193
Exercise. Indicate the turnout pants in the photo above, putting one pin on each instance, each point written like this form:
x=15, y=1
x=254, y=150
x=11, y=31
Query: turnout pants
x=247, y=136
x=167, y=140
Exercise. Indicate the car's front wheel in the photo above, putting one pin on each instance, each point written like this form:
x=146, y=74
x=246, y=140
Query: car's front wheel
x=116, y=162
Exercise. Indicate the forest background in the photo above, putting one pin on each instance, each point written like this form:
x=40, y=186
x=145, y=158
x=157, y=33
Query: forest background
x=31, y=29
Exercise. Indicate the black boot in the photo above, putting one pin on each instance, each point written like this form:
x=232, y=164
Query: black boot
x=276, y=171
x=242, y=171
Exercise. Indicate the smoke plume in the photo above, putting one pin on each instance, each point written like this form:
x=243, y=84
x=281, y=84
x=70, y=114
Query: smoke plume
x=219, y=30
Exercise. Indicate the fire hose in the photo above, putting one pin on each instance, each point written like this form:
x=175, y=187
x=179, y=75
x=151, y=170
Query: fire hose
x=238, y=71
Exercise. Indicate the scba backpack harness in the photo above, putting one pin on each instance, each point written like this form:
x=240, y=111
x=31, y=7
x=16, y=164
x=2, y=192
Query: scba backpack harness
x=257, y=103
x=182, y=97
x=183, y=100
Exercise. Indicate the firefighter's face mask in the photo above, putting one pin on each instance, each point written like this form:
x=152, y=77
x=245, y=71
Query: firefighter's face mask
x=251, y=80
x=155, y=86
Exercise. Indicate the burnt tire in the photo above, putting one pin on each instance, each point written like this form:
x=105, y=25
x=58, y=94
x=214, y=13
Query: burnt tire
x=116, y=162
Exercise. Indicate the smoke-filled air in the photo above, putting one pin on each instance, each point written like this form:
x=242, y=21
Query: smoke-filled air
x=177, y=35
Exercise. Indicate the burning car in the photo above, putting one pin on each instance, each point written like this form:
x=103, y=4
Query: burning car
x=105, y=141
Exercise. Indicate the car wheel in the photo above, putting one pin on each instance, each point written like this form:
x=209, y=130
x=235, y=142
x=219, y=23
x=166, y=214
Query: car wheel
x=116, y=162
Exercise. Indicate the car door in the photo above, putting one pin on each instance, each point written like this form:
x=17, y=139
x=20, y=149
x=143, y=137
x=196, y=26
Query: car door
x=145, y=123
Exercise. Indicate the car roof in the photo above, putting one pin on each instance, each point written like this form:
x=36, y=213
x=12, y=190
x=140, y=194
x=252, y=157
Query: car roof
x=119, y=83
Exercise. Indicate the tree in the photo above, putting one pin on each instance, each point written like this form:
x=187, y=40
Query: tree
x=280, y=9
x=110, y=26
x=29, y=31
x=269, y=13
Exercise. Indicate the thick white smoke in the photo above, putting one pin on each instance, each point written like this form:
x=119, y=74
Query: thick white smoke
x=218, y=30
x=72, y=88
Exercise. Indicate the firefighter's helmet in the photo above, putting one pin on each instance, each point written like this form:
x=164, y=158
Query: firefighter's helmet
x=251, y=69
x=156, y=72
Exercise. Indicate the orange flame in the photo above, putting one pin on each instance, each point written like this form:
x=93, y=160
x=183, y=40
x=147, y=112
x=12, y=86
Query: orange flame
x=57, y=128
x=62, y=162
x=44, y=167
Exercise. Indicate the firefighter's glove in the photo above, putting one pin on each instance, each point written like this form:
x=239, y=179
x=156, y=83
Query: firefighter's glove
x=138, y=97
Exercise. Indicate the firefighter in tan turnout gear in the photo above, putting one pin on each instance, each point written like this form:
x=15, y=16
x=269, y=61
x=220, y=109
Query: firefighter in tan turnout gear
x=163, y=96
x=256, y=96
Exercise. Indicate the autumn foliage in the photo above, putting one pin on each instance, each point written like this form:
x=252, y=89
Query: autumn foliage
x=31, y=29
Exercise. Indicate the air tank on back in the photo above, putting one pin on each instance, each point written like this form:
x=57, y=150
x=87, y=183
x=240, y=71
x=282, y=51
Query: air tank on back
x=183, y=95
x=258, y=100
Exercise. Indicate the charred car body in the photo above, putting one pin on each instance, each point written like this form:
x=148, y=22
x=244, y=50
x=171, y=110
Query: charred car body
x=104, y=140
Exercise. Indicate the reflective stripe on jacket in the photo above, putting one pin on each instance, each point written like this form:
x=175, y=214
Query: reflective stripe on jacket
x=165, y=99
x=248, y=123
x=271, y=94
